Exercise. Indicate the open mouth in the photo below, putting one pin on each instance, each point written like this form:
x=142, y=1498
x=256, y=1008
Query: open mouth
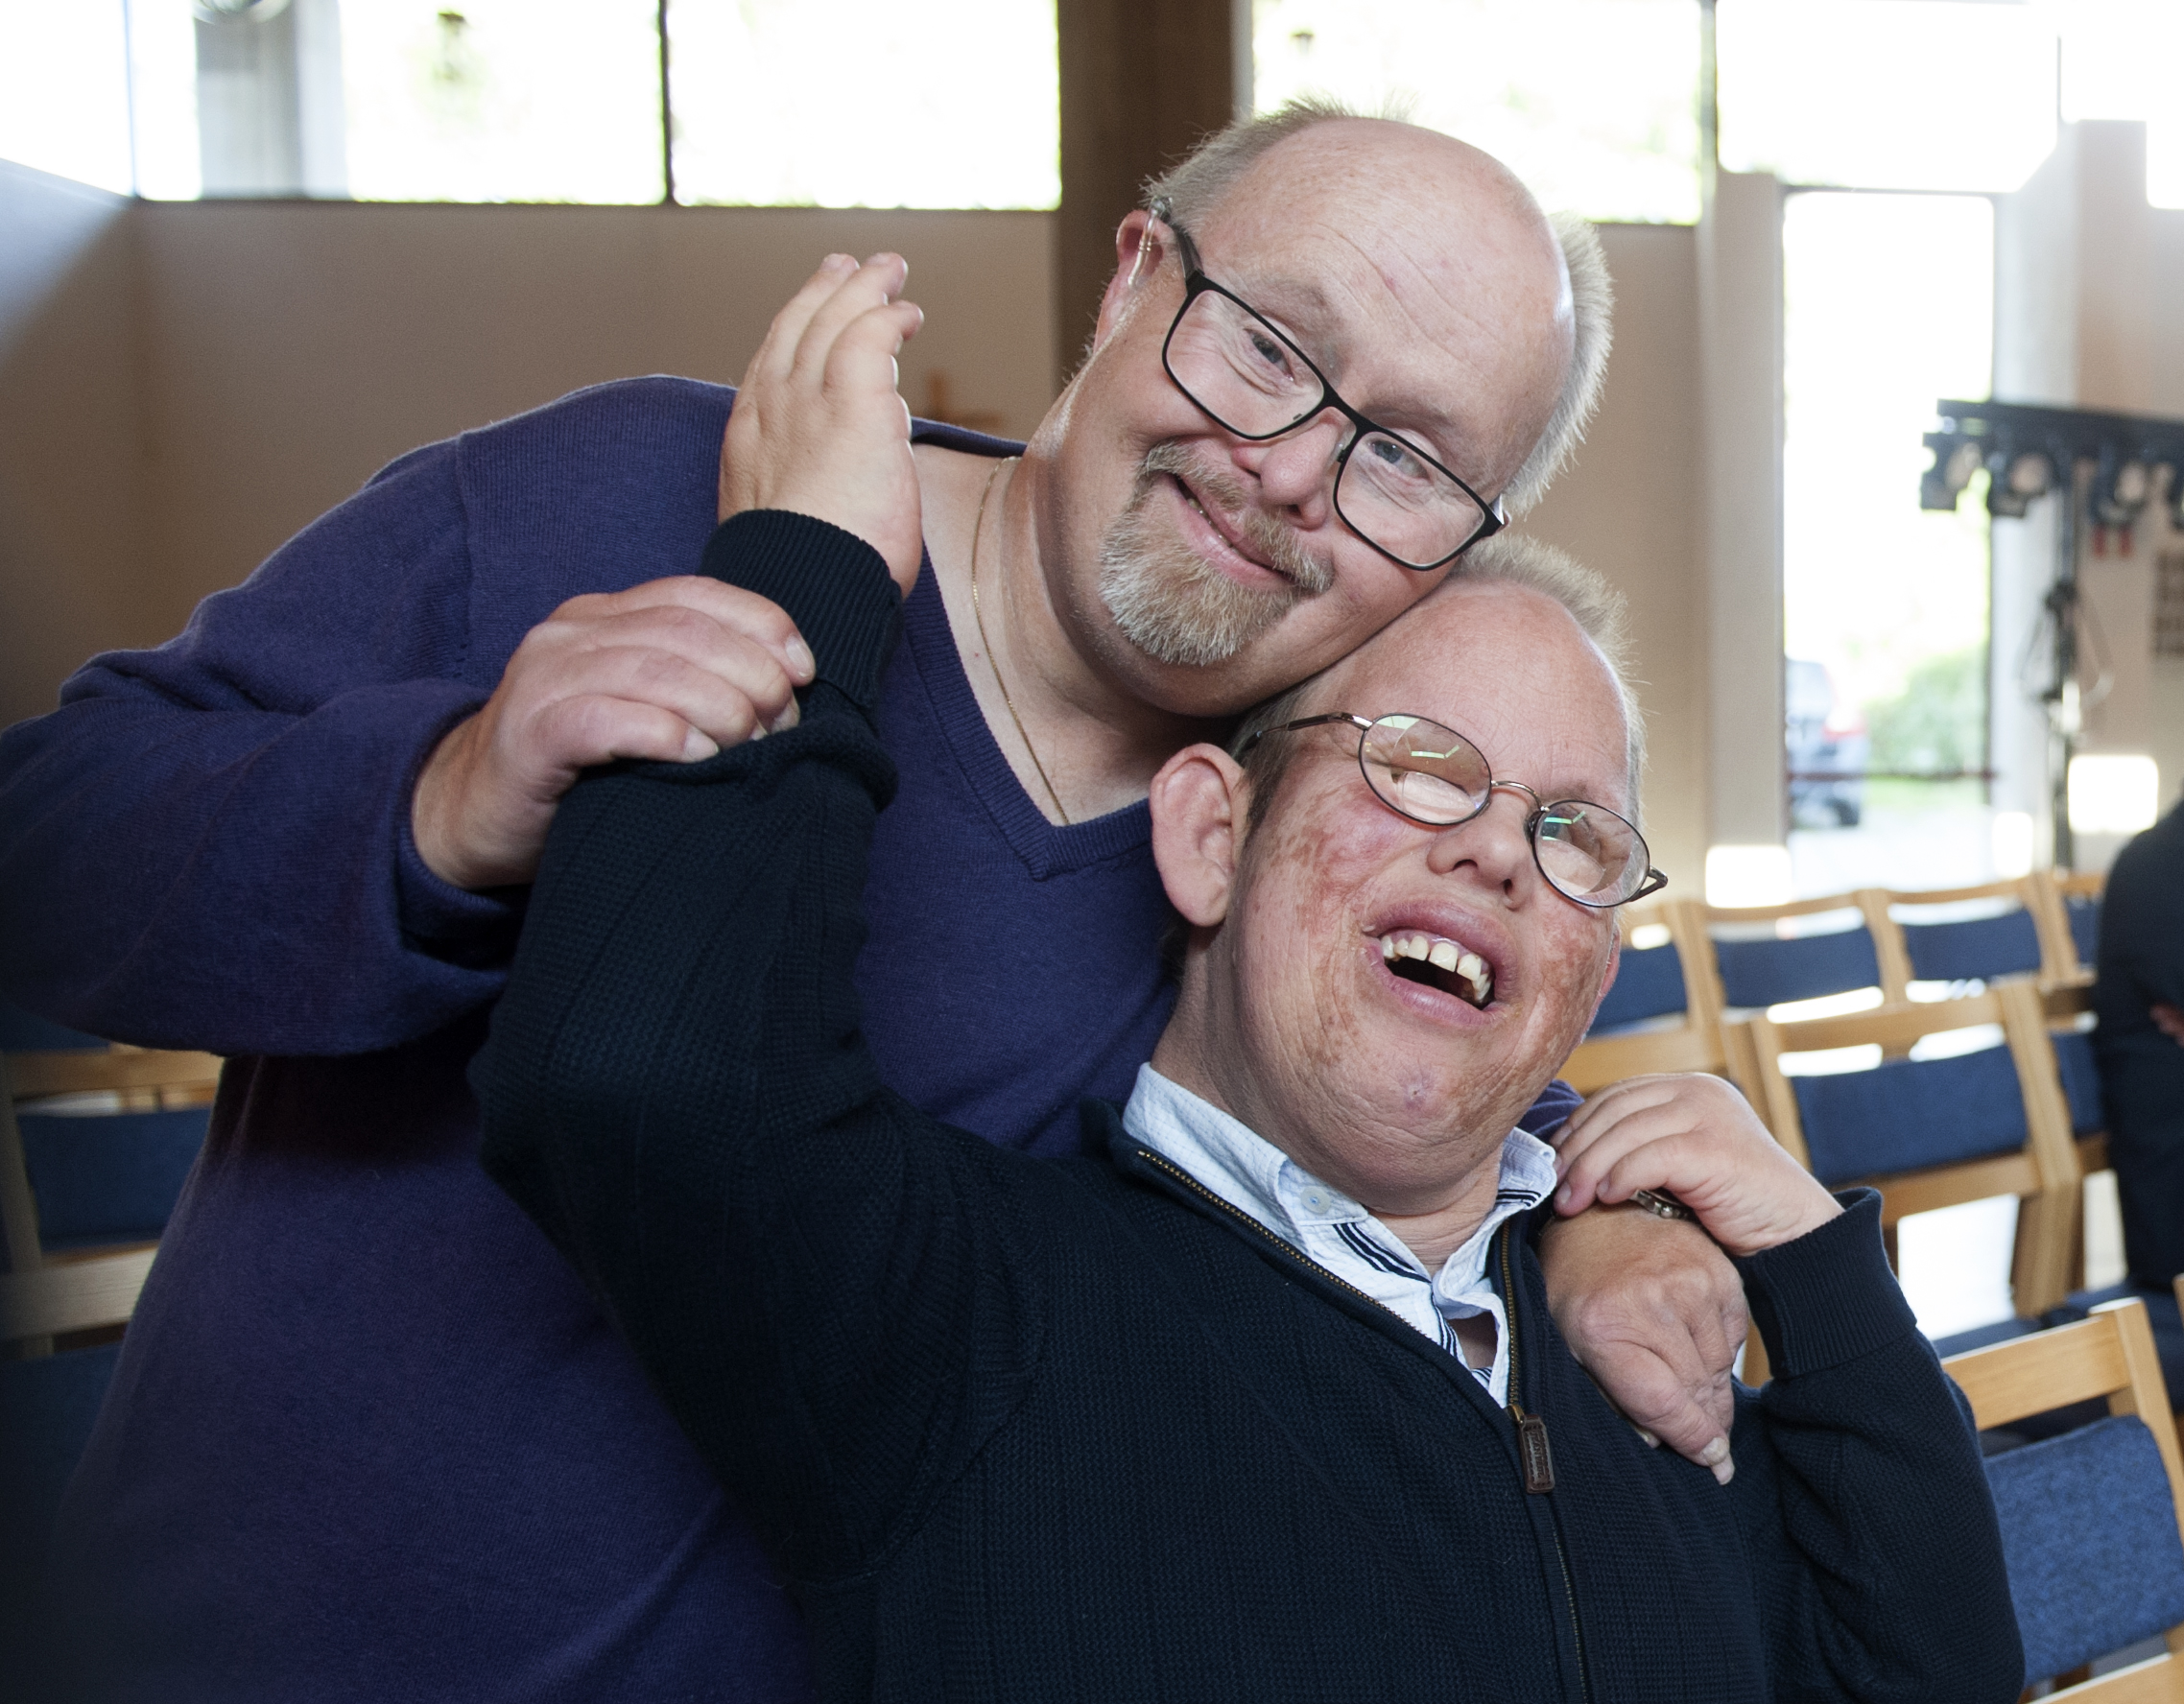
x=1439, y=962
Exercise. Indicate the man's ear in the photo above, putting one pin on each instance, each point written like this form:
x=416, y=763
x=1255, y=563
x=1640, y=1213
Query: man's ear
x=1199, y=799
x=1139, y=246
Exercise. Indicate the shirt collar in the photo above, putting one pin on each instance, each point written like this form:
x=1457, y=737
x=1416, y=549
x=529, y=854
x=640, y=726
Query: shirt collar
x=1255, y=1178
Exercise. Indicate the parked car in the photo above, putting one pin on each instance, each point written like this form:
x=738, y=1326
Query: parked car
x=1825, y=737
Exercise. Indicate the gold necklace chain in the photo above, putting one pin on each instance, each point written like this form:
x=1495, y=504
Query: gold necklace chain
x=994, y=662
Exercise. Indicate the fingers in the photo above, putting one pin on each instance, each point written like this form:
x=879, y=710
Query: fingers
x=731, y=608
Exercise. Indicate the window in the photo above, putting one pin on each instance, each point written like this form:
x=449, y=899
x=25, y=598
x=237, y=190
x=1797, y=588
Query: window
x=1884, y=605
x=768, y=101
x=1593, y=103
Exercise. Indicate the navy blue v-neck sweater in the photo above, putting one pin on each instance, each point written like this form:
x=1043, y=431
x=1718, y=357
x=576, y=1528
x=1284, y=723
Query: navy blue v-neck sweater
x=1017, y=1430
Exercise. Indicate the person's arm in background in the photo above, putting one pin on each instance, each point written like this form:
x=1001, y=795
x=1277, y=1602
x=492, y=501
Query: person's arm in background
x=211, y=845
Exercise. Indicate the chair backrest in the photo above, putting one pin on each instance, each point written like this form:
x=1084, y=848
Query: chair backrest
x=1633, y=1035
x=102, y=1139
x=1937, y=1132
x=1999, y=932
x=1759, y=962
x=2072, y=904
x=2092, y=1521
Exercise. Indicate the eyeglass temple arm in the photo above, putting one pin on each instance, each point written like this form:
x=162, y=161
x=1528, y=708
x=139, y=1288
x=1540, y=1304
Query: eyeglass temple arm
x=1309, y=721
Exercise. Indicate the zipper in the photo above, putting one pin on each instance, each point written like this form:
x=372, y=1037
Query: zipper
x=1283, y=1244
x=1539, y=1460
x=1533, y=1449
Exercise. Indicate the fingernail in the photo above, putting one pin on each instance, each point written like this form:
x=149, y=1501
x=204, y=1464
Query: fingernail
x=1716, y=1453
x=697, y=748
x=1724, y=1471
x=787, y=720
x=801, y=662
x=1651, y=1441
x=1564, y=1195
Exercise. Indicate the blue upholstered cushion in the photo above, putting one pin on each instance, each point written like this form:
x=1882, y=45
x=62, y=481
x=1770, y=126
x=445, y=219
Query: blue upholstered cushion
x=1977, y=947
x=111, y=1178
x=1980, y=1336
x=1905, y=1114
x=25, y=1032
x=1769, y=972
x=46, y=1410
x=1650, y=984
x=2085, y=928
x=2089, y=1531
x=2081, y=1082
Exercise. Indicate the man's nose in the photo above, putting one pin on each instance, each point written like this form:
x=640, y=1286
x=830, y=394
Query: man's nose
x=1296, y=471
x=1496, y=843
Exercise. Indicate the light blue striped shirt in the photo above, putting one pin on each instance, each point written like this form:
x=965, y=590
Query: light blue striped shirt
x=1257, y=1178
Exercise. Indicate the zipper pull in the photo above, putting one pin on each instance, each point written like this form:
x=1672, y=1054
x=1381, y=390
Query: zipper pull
x=1533, y=1451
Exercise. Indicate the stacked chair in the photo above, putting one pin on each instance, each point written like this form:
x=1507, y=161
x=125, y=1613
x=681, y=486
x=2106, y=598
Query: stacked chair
x=2090, y=1518
x=1894, y=970
x=95, y=1141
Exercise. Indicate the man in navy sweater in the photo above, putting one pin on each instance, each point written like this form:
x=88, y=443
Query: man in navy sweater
x=1258, y=1398
x=369, y=1438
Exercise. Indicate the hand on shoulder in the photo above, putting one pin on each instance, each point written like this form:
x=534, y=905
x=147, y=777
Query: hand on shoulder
x=1695, y=1137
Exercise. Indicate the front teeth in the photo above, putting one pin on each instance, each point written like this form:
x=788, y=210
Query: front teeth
x=1443, y=954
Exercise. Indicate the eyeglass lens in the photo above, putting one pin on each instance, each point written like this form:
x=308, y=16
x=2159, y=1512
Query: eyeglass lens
x=1255, y=381
x=1433, y=775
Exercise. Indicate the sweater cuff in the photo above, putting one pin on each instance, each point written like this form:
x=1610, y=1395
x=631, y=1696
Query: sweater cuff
x=834, y=585
x=1828, y=1297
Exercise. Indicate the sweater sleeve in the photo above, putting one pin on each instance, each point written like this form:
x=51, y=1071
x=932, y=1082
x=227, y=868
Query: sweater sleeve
x=207, y=844
x=832, y=1291
x=1877, y=1559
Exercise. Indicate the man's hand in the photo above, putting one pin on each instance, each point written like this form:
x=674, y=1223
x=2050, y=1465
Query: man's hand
x=819, y=427
x=2168, y=1020
x=1695, y=1137
x=1655, y=1313
x=671, y=669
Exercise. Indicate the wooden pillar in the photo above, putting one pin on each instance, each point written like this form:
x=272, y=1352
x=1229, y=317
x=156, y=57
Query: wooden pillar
x=1142, y=82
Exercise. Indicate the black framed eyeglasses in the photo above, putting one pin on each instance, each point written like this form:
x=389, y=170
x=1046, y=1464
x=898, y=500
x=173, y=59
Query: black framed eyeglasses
x=1253, y=381
x=1433, y=775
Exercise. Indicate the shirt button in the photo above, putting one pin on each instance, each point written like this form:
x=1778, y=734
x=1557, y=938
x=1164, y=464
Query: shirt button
x=1316, y=1199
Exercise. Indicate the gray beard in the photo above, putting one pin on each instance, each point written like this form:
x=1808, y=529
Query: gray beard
x=1179, y=608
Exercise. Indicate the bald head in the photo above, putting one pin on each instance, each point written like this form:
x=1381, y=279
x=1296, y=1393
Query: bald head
x=1457, y=188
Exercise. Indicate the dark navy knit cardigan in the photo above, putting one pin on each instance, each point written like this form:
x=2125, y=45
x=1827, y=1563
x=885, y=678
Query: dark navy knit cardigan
x=1019, y=1429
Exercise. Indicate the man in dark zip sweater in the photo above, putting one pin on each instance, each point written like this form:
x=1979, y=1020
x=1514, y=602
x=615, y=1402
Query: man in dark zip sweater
x=1259, y=1398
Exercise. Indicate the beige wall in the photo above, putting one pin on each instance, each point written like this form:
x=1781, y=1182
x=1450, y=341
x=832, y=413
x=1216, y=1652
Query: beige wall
x=202, y=379
x=73, y=577
x=1630, y=506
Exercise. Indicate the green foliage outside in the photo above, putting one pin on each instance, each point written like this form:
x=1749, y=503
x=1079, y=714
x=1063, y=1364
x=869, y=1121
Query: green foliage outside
x=1938, y=721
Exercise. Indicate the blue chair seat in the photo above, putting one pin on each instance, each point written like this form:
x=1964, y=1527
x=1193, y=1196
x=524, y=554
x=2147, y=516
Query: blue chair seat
x=1973, y=949
x=2085, y=1588
x=109, y=1177
x=1906, y=1115
x=1648, y=984
x=1774, y=971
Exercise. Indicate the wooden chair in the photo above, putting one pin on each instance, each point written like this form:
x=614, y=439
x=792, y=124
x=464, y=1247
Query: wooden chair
x=1937, y=1132
x=1673, y=979
x=2072, y=905
x=2092, y=1521
x=157, y=1103
x=1752, y=972
x=2015, y=936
